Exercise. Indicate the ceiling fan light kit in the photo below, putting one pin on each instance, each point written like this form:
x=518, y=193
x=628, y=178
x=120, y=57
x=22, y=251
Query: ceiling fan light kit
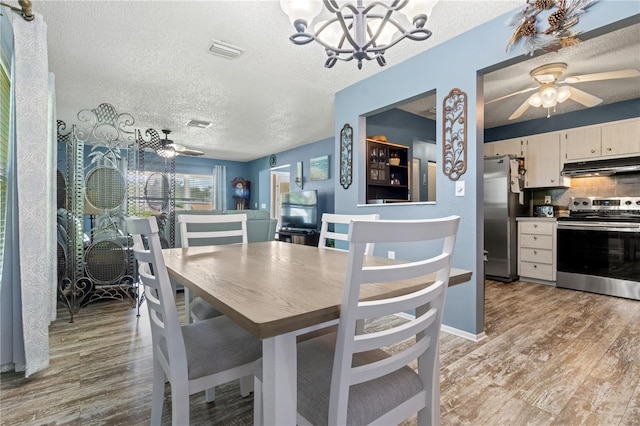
x=358, y=31
x=549, y=91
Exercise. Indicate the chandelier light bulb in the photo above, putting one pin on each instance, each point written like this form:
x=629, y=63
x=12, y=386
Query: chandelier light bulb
x=388, y=31
x=301, y=12
x=417, y=11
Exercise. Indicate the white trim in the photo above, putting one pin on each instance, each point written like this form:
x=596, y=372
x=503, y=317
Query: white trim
x=451, y=330
x=464, y=334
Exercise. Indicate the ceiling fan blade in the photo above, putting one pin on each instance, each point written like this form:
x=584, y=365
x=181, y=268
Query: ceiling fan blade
x=609, y=75
x=183, y=150
x=512, y=94
x=525, y=106
x=584, y=98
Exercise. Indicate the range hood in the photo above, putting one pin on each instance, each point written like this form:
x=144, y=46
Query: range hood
x=602, y=167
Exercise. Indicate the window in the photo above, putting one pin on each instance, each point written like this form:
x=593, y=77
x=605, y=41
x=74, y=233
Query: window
x=193, y=192
x=5, y=86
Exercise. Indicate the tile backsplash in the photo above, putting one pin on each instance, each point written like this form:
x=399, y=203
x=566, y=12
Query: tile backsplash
x=624, y=185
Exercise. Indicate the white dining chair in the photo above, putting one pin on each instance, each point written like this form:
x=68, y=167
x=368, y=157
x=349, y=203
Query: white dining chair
x=342, y=220
x=192, y=357
x=347, y=378
x=207, y=229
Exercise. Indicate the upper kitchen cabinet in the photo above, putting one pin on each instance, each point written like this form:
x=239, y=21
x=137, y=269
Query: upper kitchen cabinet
x=621, y=138
x=581, y=143
x=616, y=139
x=542, y=161
x=505, y=147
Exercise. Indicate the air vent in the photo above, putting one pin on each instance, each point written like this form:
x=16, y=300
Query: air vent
x=225, y=50
x=197, y=123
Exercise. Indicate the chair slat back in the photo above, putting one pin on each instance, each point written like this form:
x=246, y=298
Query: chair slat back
x=433, y=265
x=199, y=221
x=341, y=222
x=163, y=314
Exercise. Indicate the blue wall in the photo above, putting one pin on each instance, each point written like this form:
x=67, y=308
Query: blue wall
x=401, y=127
x=585, y=117
x=481, y=48
x=260, y=172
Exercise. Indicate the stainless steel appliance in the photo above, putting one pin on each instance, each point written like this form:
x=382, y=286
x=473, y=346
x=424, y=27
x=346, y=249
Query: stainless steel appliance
x=503, y=176
x=599, y=246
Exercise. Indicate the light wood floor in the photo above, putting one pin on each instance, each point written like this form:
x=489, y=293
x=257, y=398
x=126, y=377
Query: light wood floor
x=552, y=357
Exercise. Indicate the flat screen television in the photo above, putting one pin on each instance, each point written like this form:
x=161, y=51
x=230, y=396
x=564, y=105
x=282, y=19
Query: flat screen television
x=300, y=211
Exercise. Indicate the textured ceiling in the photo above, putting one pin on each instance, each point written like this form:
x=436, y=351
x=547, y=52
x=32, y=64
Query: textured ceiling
x=150, y=59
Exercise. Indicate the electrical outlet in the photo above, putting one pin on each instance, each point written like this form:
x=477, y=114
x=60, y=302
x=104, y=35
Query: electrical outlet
x=459, y=188
x=547, y=199
x=263, y=205
x=391, y=254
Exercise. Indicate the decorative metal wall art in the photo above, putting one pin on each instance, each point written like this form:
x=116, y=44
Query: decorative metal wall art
x=560, y=15
x=454, y=134
x=346, y=156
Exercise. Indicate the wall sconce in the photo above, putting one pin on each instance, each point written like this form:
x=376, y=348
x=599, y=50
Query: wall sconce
x=298, y=179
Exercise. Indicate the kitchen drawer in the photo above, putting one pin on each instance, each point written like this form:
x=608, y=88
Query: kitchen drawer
x=536, y=241
x=545, y=228
x=536, y=255
x=541, y=271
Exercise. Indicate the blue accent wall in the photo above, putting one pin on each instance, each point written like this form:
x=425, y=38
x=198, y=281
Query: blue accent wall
x=260, y=171
x=585, y=117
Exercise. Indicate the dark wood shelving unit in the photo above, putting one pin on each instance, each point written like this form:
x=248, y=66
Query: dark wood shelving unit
x=386, y=180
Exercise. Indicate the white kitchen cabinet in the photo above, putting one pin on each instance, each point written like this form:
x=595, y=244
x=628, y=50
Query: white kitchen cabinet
x=537, y=249
x=580, y=143
x=508, y=147
x=488, y=149
x=621, y=138
x=542, y=161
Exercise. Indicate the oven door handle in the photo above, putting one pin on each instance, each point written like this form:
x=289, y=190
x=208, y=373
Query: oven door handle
x=600, y=226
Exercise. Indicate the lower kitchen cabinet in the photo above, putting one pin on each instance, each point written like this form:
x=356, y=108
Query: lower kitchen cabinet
x=537, y=249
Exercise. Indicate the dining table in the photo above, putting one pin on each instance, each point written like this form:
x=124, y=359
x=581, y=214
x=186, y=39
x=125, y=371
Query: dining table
x=277, y=291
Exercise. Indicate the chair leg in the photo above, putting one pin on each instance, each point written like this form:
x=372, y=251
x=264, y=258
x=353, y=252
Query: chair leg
x=179, y=404
x=157, y=394
x=257, y=402
x=187, y=306
x=246, y=385
x=210, y=394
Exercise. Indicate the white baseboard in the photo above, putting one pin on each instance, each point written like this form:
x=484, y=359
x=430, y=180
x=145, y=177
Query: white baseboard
x=452, y=330
x=464, y=334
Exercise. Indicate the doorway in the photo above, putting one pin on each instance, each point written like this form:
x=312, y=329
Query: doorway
x=280, y=184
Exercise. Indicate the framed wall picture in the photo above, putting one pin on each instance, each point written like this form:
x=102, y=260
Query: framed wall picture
x=319, y=168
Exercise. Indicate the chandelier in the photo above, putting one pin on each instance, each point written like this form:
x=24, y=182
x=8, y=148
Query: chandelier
x=361, y=31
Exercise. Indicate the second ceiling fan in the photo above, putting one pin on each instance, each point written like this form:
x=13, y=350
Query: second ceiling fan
x=551, y=91
x=171, y=149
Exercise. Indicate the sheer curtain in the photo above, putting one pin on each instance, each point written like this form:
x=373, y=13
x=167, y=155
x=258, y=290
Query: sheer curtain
x=220, y=188
x=29, y=262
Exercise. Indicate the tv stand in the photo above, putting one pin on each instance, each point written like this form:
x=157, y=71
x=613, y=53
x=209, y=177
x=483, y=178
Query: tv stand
x=307, y=238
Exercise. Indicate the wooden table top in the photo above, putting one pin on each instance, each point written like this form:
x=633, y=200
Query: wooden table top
x=272, y=288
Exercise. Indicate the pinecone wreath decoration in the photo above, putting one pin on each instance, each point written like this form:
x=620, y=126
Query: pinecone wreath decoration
x=556, y=19
x=543, y=4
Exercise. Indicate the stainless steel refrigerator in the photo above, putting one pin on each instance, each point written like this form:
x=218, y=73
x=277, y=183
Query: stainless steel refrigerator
x=502, y=204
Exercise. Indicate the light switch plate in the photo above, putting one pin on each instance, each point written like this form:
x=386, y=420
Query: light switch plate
x=460, y=188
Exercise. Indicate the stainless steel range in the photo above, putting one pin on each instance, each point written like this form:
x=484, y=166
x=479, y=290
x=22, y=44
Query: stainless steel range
x=599, y=246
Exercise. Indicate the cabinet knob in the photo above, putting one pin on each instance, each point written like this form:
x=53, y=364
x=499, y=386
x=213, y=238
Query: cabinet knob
x=553, y=180
x=535, y=238
x=535, y=252
x=593, y=151
x=535, y=266
x=535, y=225
x=608, y=149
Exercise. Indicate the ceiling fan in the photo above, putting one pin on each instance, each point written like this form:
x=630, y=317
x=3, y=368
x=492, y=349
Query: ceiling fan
x=550, y=91
x=169, y=149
